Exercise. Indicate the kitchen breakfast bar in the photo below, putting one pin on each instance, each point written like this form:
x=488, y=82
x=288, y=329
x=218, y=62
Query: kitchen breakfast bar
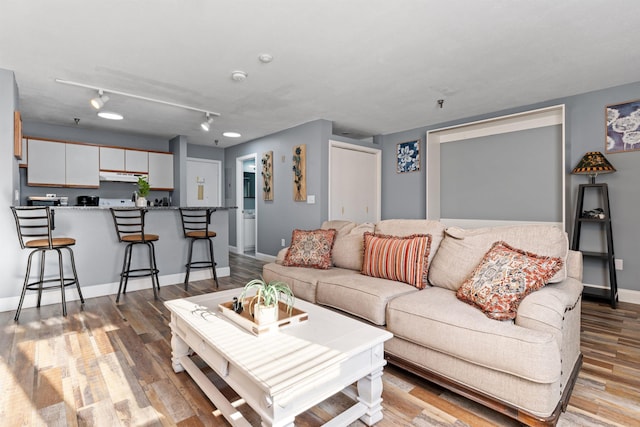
x=99, y=254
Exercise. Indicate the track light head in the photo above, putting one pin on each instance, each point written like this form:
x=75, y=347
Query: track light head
x=99, y=101
x=206, y=125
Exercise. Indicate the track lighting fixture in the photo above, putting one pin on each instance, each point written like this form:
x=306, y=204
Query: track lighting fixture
x=206, y=125
x=99, y=101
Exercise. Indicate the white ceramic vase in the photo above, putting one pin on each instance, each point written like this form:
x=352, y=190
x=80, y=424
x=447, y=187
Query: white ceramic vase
x=141, y=202
x=264, y=315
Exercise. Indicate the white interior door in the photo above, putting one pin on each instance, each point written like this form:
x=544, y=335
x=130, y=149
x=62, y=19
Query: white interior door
x=354, y=183
x=204, y=179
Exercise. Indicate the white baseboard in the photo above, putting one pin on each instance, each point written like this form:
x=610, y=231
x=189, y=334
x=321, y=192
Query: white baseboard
x=53, y=296
x=265, y=257
x=624, y=295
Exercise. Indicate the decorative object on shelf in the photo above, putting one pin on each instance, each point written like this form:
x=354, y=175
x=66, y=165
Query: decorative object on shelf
x=592, y=164
x=246, y=321
x=408, y=156
x=267, y=176
x=623, y=127
x=143, y=192
x=300, y=173
x=263, y=306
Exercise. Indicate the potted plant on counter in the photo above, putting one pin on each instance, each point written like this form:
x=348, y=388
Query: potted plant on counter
x=264, y=305
x=143, y=192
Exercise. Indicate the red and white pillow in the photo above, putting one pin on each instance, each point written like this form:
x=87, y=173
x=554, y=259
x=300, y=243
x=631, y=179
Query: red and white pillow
x=403, y=259
x=310, y=248
x=504, y=277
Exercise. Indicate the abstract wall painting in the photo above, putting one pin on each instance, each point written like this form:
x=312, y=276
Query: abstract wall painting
x=623, y=127
x=300, y=173
x=408, y=156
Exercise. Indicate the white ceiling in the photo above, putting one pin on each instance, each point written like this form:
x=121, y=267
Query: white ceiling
x=370, y=66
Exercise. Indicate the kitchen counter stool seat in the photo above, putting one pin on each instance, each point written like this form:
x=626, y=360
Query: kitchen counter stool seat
x=129, y=223
x=195, y=225
x=34, y=226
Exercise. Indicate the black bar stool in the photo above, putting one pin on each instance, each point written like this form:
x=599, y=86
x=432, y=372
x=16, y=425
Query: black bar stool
x=195, y=224
x=34, y=225
x=129, y=224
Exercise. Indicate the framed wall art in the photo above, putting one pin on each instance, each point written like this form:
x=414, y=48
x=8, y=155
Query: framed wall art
x=267, y=176
x=623, y=127
x=408, y=156
x=300, y=173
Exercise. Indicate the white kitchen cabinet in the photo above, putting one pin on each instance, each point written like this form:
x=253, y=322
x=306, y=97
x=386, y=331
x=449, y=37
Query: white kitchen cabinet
x=82, y=165
x=47, y=160
x=59, y=164
x=111, y=159
x=136, y=161
x=161, y=170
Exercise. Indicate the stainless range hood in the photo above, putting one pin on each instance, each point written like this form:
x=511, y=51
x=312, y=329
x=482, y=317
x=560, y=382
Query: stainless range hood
x=121, y=176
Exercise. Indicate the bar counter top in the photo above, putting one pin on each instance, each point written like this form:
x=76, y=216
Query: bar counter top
x=150, y=208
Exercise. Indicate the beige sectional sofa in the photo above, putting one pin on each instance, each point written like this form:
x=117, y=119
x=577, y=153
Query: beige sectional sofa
x=525, y=367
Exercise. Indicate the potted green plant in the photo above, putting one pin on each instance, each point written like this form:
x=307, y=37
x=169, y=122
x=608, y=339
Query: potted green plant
x=264, y=304
x=143, y=192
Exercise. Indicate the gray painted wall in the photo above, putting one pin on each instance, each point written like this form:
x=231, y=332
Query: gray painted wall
x=278, y=218
x=404, y=195
x=11, y=263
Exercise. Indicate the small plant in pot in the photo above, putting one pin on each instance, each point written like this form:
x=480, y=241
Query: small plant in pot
x=143, y=192
x=264, y=304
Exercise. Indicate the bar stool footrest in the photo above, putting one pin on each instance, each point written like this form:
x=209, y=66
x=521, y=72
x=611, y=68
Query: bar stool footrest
x=35, y=286
x=140, y=272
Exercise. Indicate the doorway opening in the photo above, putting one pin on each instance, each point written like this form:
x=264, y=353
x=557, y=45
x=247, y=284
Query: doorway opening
x=247, y=212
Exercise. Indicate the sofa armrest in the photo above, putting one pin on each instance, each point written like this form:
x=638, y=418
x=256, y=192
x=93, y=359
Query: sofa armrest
x=545, y=309
x=574, y=265
x=281, y=254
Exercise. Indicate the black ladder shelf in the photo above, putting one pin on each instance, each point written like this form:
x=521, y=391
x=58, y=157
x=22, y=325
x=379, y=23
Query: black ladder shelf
x=610, y=294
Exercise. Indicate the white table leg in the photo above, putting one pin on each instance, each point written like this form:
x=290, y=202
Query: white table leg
x=282, y=423
x=179, y=348
x=370, y=394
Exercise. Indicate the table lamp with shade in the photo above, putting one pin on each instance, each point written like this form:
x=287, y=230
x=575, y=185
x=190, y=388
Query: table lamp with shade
x=592, y=164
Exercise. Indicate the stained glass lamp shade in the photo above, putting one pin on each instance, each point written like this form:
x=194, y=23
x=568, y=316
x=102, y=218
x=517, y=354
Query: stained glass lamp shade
x=592, y=164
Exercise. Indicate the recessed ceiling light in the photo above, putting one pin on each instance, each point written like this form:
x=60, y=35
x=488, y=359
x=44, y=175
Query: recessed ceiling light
x=239, y=76
x=231, y=134
x=110, y=115
x=265, y=58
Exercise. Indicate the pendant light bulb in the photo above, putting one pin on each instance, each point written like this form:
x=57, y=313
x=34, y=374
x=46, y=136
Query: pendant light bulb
x=99, y=101
x=206, y=125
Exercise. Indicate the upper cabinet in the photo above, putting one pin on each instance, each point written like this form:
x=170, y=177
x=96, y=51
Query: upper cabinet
x=161, y=171
x=60, y=164
x=136, y=161
x=81, y=166
x=111, y=159
x=47, y=163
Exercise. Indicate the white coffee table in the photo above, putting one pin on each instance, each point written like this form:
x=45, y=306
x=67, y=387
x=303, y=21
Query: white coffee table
x=282, y=374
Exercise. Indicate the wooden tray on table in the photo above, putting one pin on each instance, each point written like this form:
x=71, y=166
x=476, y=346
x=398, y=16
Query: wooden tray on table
x=245, y=319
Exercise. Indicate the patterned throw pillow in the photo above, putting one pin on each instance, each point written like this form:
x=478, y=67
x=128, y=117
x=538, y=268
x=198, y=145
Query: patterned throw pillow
x=504, y=277
x=310, y=248
x=403, y=259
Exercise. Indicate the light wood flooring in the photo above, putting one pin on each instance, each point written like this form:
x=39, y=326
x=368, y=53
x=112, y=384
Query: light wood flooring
x=109, y=365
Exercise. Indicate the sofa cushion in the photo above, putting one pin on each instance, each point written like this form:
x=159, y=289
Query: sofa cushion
x=462, y=250
x=301, y=280
x=310, y=248
x=407, y=227
x=347, y=249
x=504, y=277
x=403, y=259
x=435, y=318
x=363, y=296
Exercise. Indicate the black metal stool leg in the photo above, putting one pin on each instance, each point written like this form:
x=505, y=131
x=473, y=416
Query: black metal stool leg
x=24, y=287
x=122, y=273
x=61, y=270
x=152, y=270
x=41, y=277
x=75, y=274
x=213, y=263
x=189, y=260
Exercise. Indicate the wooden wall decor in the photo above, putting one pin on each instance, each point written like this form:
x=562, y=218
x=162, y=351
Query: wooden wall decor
x=267, y=176
x=300, y=173
x=17, y=135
